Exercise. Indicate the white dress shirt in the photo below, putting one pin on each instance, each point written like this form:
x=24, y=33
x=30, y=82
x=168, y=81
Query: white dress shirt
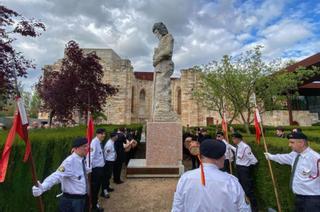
x=222, y=192
x=109, y=151
x=306, y=179
x=244, y=155
x=96, y=154
x=71, y=176
x=228, y=154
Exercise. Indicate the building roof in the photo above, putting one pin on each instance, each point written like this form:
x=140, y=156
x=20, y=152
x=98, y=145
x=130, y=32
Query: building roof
x=143, y=75
x=310, y=87
x=308, y=62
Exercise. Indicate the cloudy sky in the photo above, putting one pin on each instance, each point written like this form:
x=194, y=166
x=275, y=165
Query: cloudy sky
x=203, y=30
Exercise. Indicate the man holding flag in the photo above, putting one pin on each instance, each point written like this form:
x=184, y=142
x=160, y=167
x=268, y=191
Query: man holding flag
x=72, y=174
x=305, y=173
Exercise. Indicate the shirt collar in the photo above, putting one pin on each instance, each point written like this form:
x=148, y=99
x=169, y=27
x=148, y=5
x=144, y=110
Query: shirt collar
x=240, y=143
x=305, y=152
x=210, y=165
x=77, y=156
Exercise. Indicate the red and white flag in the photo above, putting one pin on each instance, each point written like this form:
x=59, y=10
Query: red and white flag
x=257, y=120
x=90, y=129
x=19, y=126
x=90, y=132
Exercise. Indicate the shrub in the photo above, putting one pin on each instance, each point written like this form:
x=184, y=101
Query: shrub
x=49, y=148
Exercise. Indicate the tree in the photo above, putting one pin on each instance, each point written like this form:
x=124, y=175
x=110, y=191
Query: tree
x=77, y=85
x=12, y=63
x=235, y=80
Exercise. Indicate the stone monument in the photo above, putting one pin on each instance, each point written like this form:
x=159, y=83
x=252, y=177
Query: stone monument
x=164, y=132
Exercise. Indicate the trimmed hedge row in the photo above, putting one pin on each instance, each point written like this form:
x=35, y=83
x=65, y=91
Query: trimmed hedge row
x=49, y=148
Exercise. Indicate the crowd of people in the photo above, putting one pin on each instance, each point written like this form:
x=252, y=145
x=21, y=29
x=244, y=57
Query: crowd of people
x=101, y=160
x=210, y=187
x=223, y=192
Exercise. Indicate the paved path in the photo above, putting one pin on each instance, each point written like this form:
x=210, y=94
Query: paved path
x=143, y=194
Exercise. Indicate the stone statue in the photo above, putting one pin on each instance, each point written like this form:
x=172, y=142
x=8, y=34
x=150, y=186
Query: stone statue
x=162, y=62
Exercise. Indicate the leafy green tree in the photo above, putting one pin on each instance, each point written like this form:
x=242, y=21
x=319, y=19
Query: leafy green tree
x=234, y=80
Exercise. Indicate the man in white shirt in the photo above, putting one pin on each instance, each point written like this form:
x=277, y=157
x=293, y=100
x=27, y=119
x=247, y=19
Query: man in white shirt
x=72, y=174
x=110, y=156
x=97, y=163
x=221, y=192
x=228, y=154
x=305, y=179
x=245, y=160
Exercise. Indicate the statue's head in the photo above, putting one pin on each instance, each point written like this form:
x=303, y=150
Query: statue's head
x=162, y=29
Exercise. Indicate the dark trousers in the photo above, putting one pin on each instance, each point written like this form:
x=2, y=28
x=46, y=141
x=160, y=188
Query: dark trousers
x=244, y=174
x=72, y=205
x=96, y=182
x=226, y=166
x=195, y=162
x=117, y=166
x=108, y=169
x=305, y=203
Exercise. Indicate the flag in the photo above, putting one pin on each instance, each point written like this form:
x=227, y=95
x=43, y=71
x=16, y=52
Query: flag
x=257, y=120
x=90, y=129
x=19, y=126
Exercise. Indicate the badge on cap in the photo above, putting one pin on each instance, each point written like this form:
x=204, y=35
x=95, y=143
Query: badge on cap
x=61, y=169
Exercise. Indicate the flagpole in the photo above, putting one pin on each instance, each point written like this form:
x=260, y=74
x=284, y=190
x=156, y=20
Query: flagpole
x=269, y=163
x=30, y=159
x=89, y=159
x=227, y=136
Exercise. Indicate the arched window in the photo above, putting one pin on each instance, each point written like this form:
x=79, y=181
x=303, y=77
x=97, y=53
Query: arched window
x=142, y=104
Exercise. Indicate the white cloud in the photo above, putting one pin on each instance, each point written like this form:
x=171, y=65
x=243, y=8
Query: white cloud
x=203, y=30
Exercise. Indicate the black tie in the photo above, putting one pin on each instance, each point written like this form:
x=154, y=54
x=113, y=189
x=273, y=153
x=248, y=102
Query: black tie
x=294, y=169
x=85, y=174
x=104, y=157
x=235, y=160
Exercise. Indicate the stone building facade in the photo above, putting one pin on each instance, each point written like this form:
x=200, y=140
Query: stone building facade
x=133, y=102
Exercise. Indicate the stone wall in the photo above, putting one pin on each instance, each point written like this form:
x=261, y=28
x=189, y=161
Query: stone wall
x=133, y=102
x=281, y=118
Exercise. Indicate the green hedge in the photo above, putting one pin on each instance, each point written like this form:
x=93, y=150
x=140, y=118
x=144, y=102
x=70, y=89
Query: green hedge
x=49, y=148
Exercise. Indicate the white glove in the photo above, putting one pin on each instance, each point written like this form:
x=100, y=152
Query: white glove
x=267, y=155
x=37, y=190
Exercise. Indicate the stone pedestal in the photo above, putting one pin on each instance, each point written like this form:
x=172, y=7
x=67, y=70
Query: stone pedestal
x=164, y=143
x=163, y=152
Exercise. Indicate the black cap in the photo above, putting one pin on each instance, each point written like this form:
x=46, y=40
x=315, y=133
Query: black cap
x=113, y=134
x=220, y=133
x=297, y=135
x=236, y=135
x=100, y=131
x=212, y=148
x=79, y=142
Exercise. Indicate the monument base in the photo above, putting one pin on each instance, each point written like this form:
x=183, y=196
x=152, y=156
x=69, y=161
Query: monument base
x=139, y=168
